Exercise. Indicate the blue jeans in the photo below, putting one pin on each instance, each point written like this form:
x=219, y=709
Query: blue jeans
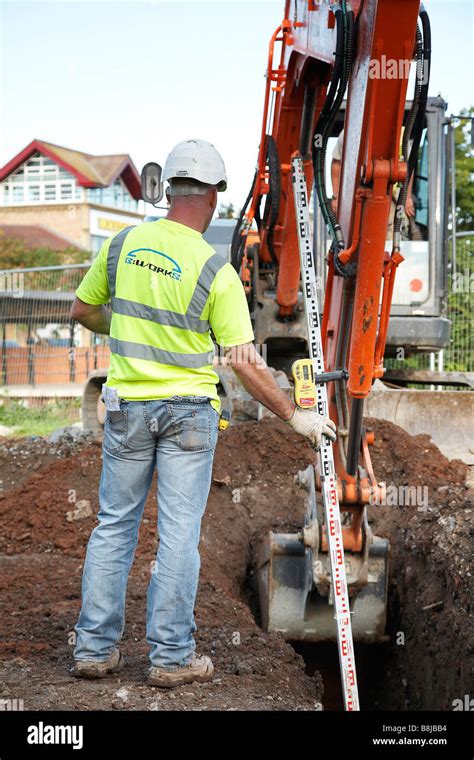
x=178, y=436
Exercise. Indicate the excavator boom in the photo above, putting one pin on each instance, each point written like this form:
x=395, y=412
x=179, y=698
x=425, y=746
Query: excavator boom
x=361, y=51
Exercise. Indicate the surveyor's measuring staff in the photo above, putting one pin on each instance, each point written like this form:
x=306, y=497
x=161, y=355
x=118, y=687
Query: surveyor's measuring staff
x=328, y=476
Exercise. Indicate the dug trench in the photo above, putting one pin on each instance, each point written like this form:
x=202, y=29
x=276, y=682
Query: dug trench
x=425, y=663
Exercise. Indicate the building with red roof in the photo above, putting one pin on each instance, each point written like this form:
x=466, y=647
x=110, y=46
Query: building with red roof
x=80, y=197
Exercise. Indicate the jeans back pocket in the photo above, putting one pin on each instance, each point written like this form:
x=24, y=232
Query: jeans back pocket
x=192, y=424
x=115, y=430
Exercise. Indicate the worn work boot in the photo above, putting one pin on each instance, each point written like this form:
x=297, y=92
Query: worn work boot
x=91, y=669
x=200, y=669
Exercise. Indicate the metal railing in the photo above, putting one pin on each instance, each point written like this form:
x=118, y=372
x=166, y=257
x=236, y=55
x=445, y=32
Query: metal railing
x=458, y=356
x=40, y=346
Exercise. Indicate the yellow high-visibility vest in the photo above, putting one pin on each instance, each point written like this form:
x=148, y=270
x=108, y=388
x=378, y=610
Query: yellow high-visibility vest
x=165, y=285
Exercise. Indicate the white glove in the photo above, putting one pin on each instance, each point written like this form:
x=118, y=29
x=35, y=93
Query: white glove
x=312, y=425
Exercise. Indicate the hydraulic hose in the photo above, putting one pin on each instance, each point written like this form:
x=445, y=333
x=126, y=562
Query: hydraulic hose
x=416, y=119
x=338, y=86
x=270, y=214
x=420, y=119
x=324, y=118
x=414, y=110
x=238, y=241
x=272, y=204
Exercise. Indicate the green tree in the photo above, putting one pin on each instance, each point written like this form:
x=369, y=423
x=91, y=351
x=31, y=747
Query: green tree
x=226, y=212
x=14, y=255
x=460, y=353
x=464, y=171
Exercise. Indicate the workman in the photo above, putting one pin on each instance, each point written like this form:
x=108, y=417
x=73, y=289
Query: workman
x=168, y=290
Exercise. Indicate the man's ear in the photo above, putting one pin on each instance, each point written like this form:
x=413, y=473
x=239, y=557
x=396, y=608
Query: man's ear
x=213, y=199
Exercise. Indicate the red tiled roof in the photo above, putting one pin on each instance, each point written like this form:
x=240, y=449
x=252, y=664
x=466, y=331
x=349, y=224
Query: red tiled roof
x=37, y=236
x=89, y=170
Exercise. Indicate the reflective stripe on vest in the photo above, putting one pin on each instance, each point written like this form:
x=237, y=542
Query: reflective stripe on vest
x=153, y=354
x=115, y=248
x=189, y=321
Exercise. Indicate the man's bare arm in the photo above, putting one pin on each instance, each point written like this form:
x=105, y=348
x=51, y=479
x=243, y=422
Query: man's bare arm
x=95, y=318
x=335, y=181
x=410, y=209
x=257, y=379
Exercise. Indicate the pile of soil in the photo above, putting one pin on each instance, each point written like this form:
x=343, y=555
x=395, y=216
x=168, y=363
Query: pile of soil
x=430, y=654
x=41, y=556
x=20, y=457
x=253, y=490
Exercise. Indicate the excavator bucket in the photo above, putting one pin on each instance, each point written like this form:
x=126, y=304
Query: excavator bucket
x=294, y=580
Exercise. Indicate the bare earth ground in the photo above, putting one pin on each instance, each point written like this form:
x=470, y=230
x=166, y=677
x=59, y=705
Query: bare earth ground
x=41, y=556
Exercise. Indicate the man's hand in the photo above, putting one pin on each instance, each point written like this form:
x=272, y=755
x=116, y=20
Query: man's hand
x=312, y=425
x=335, y=181
x=410, y=206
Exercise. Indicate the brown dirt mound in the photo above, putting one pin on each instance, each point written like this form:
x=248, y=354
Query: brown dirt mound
x=253, y=490
x=42, y=553
x=430, y=655
x=403, y=459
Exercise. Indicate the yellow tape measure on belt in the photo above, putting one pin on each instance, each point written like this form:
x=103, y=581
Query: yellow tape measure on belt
x=224, y=420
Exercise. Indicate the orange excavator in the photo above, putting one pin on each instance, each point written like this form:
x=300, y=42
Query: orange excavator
x=360, y=52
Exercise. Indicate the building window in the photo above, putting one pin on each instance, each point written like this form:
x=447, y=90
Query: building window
x=45, y=182
x=50, y=192
x=94, y=194
x=66, y=191
x=108, y=196
x=115, y=196
x=33, y=193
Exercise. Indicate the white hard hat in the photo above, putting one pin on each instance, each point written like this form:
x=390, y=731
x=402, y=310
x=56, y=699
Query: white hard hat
x=196, y=159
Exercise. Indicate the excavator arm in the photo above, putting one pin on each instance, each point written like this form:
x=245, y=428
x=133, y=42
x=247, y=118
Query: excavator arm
x=329, y=50
x=361, y=51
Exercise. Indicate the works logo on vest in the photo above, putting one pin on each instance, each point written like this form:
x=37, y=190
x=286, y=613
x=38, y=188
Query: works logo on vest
x=172, y=269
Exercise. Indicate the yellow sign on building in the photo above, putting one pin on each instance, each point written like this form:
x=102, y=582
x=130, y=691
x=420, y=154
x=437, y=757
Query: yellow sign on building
x=112, y=225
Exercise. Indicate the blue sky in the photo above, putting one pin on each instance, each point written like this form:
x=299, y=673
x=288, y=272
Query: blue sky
x=137, y=77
